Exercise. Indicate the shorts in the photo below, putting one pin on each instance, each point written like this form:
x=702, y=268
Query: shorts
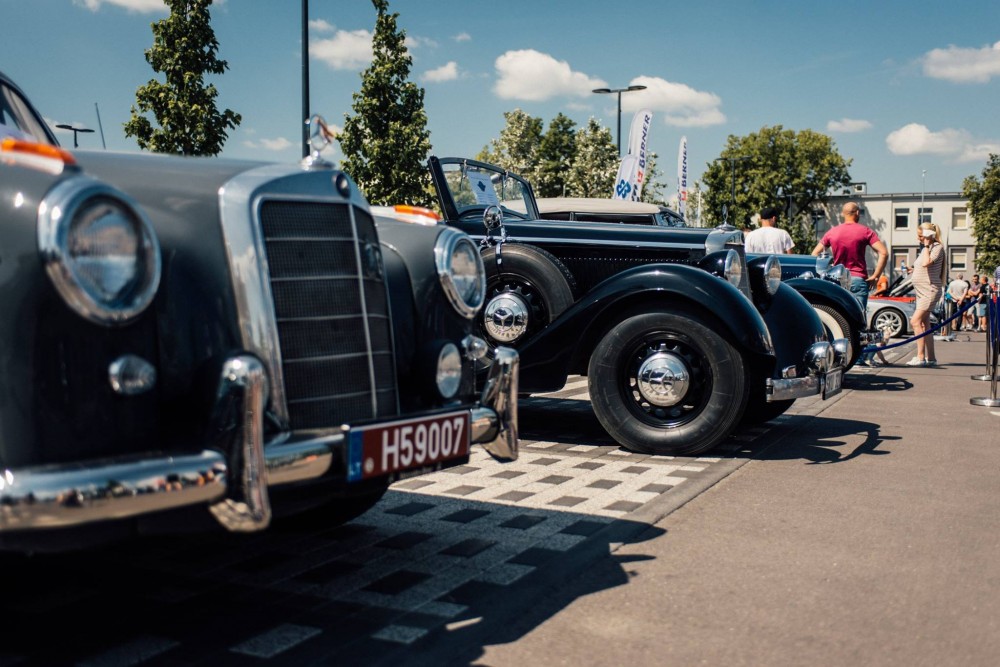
x=981, y=309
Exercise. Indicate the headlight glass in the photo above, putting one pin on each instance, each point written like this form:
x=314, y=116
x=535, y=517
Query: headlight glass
x=772, y=274
x=99, y=251
x=733, y=271
x=449, y=370
x=839, y=274
x=461, y=271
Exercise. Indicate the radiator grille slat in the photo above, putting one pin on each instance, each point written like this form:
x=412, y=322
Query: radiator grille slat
x=328, y=318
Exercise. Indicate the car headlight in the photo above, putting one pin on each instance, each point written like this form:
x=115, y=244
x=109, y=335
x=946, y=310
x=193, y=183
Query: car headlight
x=449, y=370
x=461, y=271
x=772, y=274
x=733, y=269
x=839, y=274
x=99, y=250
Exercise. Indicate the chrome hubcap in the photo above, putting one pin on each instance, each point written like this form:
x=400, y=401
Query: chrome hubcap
x=663, y=379
x=506, y=317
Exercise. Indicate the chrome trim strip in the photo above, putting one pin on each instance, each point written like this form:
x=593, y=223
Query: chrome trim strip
x=598, y=242
x=444, y=246
x=791, y=388
x=364, y=313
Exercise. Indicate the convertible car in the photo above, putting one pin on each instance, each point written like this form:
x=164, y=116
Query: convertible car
x=681, y=337
x=195, y=342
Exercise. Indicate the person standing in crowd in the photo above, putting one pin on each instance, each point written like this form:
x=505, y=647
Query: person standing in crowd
x=768, y=239
x=882, y=286
x=928, y=278
x=981, y=306
x=956, y=292
x=849, y=242
x=970, y=318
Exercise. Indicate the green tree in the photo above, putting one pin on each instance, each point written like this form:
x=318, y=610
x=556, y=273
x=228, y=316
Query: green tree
x=653, y=189
x=984, y=207
x=184, y=51
x=556, y=152
x=596, y=165
x=517, y=146
x=386, y=141
x=770, y=165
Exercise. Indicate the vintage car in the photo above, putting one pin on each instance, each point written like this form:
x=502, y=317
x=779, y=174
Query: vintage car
x=592, y=209
x=826, y=286
x=836, y=308
x=675, y=330
x=189, y=342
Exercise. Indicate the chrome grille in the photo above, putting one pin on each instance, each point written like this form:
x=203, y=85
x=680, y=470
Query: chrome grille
x=332, y=316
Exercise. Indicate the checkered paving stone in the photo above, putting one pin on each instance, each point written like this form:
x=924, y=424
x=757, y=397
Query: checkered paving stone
x=432, y=553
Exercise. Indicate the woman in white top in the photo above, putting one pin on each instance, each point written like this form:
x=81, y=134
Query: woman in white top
x=928, y=275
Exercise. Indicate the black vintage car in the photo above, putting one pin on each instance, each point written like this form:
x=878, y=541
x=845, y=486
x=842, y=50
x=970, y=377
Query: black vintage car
x=192, y=341
x=677, y=332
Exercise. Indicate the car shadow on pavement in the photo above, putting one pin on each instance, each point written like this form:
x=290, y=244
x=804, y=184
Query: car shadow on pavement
x=418, y=579
x=876, y=382
x=827, y=440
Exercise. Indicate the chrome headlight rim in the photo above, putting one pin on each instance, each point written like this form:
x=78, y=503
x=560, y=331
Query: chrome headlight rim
x=840, y=275
x=772, y=274
x=448, y=243
x=732, y=269
x=56, y=214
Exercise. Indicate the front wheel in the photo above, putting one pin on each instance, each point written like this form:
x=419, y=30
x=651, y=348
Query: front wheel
x=891, y=319
x=662, y=383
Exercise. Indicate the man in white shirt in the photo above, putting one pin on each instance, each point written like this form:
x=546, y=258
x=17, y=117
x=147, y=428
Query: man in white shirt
x=768, y=239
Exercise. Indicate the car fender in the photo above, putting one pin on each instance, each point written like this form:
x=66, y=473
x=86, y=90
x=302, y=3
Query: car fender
x=819, y=291
x=564, y=346
x=794, y=326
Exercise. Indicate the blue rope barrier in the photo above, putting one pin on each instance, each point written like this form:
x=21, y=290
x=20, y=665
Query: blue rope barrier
x=873, y=348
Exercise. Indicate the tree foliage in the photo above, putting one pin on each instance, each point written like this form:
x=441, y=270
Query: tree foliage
x=770, y=165
x=184, y=51
x=984, y=207
x=593, y=172
x=653, y=189
x=556, y=153
x=517, y=146
x=386, y=141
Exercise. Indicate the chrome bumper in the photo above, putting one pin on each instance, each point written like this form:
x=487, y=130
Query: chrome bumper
x=822, y=359
x=233, y=473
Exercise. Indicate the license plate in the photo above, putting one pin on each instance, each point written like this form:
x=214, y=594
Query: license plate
x=387, y=449
x=834, y=383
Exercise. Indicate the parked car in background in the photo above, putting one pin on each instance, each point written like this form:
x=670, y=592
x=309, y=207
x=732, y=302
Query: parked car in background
x=592, y=209
x=676, y=331
x=190, y=339
x=894, y=310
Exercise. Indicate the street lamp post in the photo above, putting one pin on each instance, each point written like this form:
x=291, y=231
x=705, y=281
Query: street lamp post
x=305, y=78
x=75, y=131
x=732, y=162
x=619, y=91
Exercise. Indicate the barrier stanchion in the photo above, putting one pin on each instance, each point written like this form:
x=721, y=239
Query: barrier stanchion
x=987, y=376
x=993, y=342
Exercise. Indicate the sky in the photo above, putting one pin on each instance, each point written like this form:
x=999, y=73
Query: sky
x=909, y=92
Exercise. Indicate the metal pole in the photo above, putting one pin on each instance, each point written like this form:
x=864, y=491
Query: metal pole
x=305, y=78
x=101, y=127
x=619, y=123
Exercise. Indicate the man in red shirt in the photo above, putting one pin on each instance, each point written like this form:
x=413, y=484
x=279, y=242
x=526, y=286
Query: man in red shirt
x=849, y=242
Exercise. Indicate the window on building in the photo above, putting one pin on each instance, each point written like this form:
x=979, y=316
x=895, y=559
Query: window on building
x=960, y=218
x=899, y=258
x=902, y=218
x=959, y=259
x=924, y=215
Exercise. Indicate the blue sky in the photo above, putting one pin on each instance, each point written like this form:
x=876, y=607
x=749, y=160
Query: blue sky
x=902, y=87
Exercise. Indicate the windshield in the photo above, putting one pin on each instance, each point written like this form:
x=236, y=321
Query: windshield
x=17, y=118
x=473, y=188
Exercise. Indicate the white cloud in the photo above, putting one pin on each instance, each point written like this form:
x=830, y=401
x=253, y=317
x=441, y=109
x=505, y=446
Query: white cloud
x=682, y=105
x=959, y=145
x=347, y=49
x=140, y=6
x=413, y=42
x=447, y=72
x=960, y=65
x=319, y=25
x=462, y=37
x=276, y=145
x=848, y=125
x=534, y=76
